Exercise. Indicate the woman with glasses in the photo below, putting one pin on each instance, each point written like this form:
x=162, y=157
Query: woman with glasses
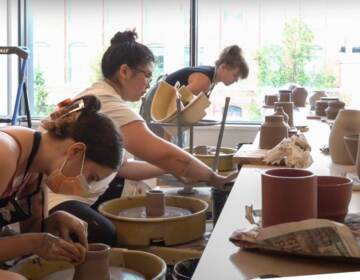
x=229, y=68
x=127, y=67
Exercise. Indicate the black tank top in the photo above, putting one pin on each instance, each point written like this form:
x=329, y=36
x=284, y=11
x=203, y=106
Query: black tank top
x=183, y=74
x=12, y=209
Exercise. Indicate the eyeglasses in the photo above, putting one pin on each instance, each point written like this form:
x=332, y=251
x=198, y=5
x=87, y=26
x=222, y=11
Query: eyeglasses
x=147, y=74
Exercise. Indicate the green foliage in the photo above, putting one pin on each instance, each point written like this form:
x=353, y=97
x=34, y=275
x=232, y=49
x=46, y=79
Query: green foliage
x=42, y=109
x=254, y=110
x=290, y=62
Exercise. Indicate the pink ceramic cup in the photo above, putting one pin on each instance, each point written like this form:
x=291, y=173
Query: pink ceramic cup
x=334, y=195
x=288, y=195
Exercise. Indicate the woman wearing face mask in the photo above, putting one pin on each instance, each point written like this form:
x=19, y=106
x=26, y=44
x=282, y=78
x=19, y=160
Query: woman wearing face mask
x=127, y=69
x=77, y=146
x=229, y=68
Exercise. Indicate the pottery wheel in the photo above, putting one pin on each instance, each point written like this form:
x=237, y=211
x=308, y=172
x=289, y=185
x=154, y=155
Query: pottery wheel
x=140, y=212
x=116, y=273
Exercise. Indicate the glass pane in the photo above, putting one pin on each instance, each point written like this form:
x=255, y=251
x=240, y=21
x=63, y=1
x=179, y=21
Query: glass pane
x=67, y=61
x=310, y=43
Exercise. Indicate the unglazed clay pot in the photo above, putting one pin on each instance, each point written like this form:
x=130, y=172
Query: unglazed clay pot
x=288, y=108
x=298, y=96
x=351, y=146
x=288, y=195
x=329, y=98
x=316, y=96
x=279, y=110
x=346, y=123
x=320, y=107
x=96, y=263
x=333, y=109
x=155, y=203
x=334, y=195
x=272, y=131
x=270, y=99
x=285, y=95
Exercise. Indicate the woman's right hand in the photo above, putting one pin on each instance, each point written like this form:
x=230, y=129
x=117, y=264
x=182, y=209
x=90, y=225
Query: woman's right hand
x=219, y=181
x=51, y=247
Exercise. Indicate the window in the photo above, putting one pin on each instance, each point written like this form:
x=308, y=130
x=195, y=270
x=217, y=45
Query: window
x=70, y=36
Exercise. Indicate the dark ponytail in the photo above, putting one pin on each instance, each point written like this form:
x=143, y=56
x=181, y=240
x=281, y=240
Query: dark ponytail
x=80, y=120
x=124, y=50
x=232, y=57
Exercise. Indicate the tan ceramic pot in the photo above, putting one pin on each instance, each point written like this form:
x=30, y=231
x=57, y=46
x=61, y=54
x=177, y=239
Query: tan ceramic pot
x=346, y=123
x=270, y=100
x=285, y=95
x=279, y=110
x=351, y=146
x=155, y=203
x=316, y=96
x=334, y=195
x=272, y=131
x=320, y=107
x=289, y=109
x=298, y=96
x=96, y=263
x=288, y=195
x=333, y=109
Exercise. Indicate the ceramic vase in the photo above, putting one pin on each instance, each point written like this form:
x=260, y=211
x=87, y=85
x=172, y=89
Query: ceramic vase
x=96, y=263
x=288, y=108
x=285, y=95
x=334, y=195
x=155, y=203
x=272, y=131
x=333, y=109
x=346, y=123
x=279, y=110
x=316, y=96
x=270, y=99
x=298, y=96
x=288, y=195
x=320, y=107
x=351, y=146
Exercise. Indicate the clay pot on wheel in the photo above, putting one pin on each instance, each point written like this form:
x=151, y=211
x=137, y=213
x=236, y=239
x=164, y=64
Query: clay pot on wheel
x=285, y=95
x=346, y=123
x=351, y=146
x=155, y=203
x=272, y=131
x=298, y=96
x=334, y=195
x=288, y=108
x=333, y=109
x=288, y=195
x=96, y=263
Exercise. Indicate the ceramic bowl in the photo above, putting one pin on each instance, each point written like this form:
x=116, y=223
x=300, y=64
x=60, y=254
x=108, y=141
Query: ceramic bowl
x=334, y=195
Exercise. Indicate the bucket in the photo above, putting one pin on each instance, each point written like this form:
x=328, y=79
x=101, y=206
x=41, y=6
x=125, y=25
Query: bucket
x=219, y=198
x=185, y=269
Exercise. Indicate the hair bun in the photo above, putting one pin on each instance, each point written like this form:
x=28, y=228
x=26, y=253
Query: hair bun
x=91, y=103
x=122, y=37
x=235, y=50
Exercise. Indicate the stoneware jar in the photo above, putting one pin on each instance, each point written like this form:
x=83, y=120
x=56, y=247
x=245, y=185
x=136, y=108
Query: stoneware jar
x=298, y=96
x=155, y=203
x=279, y=110
x=96, y=263
x=288, y=195
x=272, y=131
x=320, y=106
x=334, y=195
x=346, y=123
x=316, y=96
x=351, y=146
x=288, y=108
x=284, y=95
x=270, y=100
x=333, y=109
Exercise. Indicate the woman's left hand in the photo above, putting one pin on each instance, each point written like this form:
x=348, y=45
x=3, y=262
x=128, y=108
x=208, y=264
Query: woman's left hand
x=65, y=224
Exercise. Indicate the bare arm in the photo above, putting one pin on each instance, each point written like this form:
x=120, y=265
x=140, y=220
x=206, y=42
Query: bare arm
x=141, y=142
x=19, y=245
x=198, y=82
x=139, y=170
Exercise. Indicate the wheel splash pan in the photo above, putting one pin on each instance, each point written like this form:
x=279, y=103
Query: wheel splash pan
x=147, y=231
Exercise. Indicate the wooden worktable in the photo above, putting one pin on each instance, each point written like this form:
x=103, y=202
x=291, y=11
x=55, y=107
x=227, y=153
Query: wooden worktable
x=223, y=260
